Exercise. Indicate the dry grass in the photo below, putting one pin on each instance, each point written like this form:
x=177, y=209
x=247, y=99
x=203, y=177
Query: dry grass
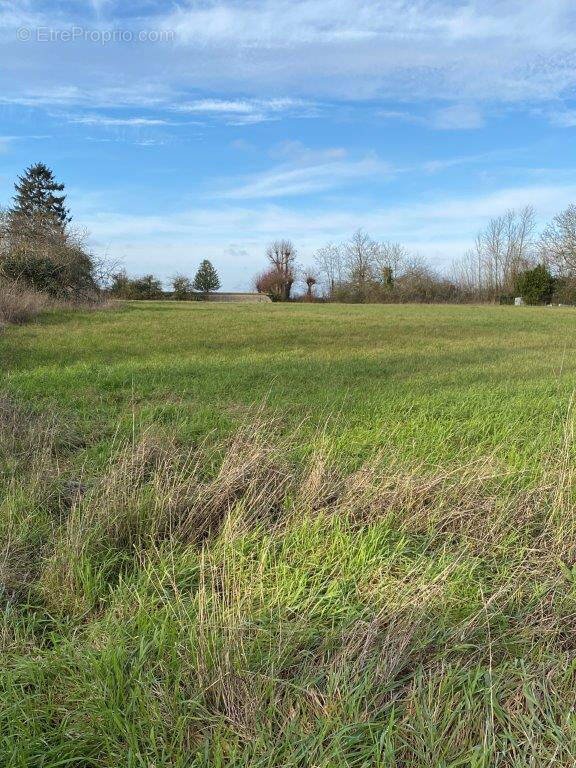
x=19, y=305
x=227, y=605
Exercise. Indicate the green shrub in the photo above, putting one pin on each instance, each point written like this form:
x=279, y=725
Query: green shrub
x=145, y=287
x=536, y=285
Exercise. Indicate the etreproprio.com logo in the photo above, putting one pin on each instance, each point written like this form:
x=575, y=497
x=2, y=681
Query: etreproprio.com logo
x=98, y=36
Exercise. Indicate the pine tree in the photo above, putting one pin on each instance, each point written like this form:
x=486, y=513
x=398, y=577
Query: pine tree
x=37, y=248
x=206, y=279
x=36, y=197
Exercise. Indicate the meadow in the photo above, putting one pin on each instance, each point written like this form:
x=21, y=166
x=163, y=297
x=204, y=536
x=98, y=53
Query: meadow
x=288, y=535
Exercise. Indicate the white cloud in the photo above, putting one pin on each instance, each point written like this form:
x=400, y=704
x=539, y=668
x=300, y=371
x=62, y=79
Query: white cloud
x=440, y=229
x=7, y=141
x=247, y=111
x=470, y=52
x=565, y=118
x=457, y=117
x=312, y=172
x=220, y=106
x=484, y=49
x=103, y=120
x=137, y=95
x=451, y=118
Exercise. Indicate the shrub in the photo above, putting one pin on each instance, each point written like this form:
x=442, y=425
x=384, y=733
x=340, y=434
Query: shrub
x=536, y=285
x=46, y=258
x=182, y=288
x=272, y=283
x=146, y=287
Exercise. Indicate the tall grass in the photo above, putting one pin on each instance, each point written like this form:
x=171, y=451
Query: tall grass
x=231, y=605
x=20, y=305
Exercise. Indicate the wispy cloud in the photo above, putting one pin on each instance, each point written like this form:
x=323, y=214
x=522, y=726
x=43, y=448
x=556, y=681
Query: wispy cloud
x=478, y=52
x=234, y=111
x=248, y=111
x=130, y=122
x=7, y=141
x=309, y=172
x=135, y=95
x=441, y=228
x=456, y=117
x=483, y=49
x=565, y=118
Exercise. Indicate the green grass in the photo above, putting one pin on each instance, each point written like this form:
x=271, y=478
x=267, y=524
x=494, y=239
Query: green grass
x=438, y=382
x=303, y=535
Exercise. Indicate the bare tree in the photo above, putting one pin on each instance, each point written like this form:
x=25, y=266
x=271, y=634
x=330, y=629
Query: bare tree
x=361, y=267
x=310, y=279
x=503, y=250
x=329, y=261
x=282, y=257
x=467, y=273
x=390, y=259
x=559, y=242
x=361, y=259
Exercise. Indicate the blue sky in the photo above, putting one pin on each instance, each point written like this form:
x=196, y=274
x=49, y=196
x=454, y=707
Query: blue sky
x=206, y=128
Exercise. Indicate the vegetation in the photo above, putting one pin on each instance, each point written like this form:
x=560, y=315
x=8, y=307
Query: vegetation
x=182, y=288
x=559, y=241
x=38, y=248
x=145, y=287
x=36, y=197
x=149, y=287
x=206, y=279
x=19, y=305
x=374, y=568
x=505, y=254
x=279, y=277
x=536, y=285
x=310, y=280
x=502, y=252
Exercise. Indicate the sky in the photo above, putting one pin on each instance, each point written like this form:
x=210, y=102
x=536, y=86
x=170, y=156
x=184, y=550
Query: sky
x=207, y=128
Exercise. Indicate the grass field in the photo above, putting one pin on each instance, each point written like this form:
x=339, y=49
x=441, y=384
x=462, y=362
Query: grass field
x=288, y=535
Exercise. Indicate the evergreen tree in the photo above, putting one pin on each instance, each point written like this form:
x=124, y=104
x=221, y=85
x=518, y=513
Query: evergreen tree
x=536, y=285
x=37, y=197
x=206, y=279
x=37, y=248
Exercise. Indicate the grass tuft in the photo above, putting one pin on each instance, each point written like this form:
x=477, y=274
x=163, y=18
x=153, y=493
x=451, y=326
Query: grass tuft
x=234, y=604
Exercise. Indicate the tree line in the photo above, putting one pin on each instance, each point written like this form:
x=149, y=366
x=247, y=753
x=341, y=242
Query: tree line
x=41, y=249
x=205, y=282
x=508, y=259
